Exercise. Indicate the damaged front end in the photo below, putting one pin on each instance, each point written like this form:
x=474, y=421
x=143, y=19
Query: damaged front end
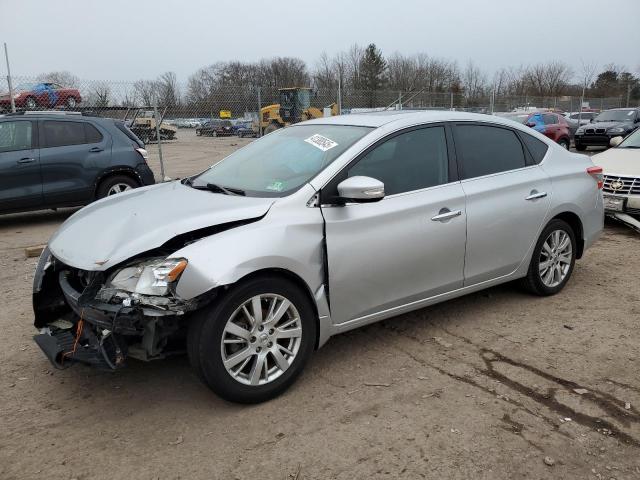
x=102, y=317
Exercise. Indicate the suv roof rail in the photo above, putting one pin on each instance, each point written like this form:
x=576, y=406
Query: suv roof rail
x=50, y=112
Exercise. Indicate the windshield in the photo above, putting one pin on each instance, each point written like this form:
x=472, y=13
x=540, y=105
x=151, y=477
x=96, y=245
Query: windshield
x=281, y=162
x=632, y=141
x=616, y=116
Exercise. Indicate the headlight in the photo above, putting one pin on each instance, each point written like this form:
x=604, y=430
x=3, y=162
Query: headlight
x=580, y=131
x=616, y=130
x=150, y=277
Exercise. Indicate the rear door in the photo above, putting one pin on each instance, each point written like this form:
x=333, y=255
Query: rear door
x=71, y=156
x=507, y=199
x=20, y=180
x=406, y=247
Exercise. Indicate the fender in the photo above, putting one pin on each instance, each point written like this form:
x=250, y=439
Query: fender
x=118, y=169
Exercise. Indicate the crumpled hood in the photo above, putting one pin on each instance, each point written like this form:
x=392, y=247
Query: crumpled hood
x=619, y=161
x=119, y=227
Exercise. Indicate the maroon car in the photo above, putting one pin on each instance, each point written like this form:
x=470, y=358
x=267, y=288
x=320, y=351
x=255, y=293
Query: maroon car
x=548, y=123
x=32, y=96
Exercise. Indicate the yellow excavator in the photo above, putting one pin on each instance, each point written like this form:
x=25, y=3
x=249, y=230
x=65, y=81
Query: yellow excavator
x=295, y=106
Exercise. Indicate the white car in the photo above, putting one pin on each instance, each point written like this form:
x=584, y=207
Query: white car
x=621, y=167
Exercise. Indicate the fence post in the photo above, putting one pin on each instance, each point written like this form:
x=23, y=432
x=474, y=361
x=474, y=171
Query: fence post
x=6, y=56
x=450, y=100
x=339, y=96
x=259, y=116
x=157, y=122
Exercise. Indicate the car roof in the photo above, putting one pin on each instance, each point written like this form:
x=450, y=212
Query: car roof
x=408, y=117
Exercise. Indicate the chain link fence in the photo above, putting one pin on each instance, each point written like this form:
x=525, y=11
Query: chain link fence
x=186, y=112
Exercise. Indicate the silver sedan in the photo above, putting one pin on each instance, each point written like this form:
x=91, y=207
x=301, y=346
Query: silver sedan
x=311, y=231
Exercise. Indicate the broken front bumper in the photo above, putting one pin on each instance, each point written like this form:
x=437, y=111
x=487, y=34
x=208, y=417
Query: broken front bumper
x=79, y=323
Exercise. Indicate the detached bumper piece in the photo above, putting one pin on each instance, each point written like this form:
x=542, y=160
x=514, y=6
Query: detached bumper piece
x=63, y=347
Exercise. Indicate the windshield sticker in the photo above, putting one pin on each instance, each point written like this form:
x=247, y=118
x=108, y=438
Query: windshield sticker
x=323, y=143
x=275, y=186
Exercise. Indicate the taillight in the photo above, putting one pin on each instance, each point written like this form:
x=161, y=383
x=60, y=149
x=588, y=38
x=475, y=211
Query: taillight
x=143, y=153
x=596, y=173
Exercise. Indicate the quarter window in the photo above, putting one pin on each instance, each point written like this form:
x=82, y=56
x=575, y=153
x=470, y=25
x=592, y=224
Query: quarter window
x=57, y=134
x=485, y=150
x=409, y=161
x=92, y=134
x=537, y=148
x=15, y=136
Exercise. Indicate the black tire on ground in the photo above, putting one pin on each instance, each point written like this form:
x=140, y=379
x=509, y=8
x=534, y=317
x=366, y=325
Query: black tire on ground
x=109, y=182
x=564, y=143
x=580, y=148
x=533, y=281
x=272, y=127
x=206, y=329
x=71, y=102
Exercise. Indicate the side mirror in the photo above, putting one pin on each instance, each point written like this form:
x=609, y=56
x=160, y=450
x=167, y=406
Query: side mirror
x=615, y=141
x=361, y=190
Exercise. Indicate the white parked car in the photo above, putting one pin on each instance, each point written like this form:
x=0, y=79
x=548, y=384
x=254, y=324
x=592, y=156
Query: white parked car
x=621, y=190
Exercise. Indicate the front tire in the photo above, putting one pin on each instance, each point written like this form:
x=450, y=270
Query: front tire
x=254, y=341
x=553, y=259
x=580, y=148
x=71, y=102
x=31, y=103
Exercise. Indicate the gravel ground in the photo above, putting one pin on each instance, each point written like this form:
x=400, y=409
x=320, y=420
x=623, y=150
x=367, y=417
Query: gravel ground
x=485, y=386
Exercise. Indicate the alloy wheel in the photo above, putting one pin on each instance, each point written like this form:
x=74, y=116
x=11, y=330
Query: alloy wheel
x=261, y=339
x=555, y=258
x=118, y=188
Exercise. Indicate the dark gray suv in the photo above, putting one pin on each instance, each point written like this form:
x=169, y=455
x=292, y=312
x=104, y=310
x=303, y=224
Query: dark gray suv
x=51, y=160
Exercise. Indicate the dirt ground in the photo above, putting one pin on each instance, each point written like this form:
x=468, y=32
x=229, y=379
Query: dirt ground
x=483, y=387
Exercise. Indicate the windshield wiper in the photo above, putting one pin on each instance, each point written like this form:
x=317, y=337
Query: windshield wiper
x=212, y=187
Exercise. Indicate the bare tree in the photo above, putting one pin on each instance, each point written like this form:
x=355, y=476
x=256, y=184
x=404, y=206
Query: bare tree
x=168, y=95
x=64, y=78
x=474, y=82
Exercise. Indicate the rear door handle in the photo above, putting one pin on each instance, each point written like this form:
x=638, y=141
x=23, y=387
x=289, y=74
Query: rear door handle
x=95, y=149
x=535, y=195
x=446, y=214
x=22, y=161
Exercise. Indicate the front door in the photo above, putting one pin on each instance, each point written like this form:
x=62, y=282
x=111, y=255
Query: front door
x=406, y=247
x=20, y=181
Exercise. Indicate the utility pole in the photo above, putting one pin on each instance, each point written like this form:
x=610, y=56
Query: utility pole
x=259, y=115
x=6, y=57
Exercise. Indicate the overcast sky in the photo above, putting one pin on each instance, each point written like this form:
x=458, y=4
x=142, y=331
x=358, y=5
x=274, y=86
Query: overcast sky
x=132, y=39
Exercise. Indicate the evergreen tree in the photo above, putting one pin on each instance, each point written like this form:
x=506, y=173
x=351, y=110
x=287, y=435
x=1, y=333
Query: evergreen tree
x=373, y=68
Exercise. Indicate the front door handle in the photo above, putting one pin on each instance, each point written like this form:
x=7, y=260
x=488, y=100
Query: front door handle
x=534, y=195
x=446, y=214
x=95, y=149
x=22, y=161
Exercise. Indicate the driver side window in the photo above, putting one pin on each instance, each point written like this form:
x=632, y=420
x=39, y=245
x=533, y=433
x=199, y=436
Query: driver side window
x=409, y=161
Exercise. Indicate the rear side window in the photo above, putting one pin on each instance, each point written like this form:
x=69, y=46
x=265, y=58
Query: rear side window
x=130, y=135
x=92, y=134
x=15, y=136
x=409, y=161
x=58, y=134
x=537, y=148
x=485, y=150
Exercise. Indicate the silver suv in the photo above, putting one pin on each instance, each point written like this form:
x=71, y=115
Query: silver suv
x=311, y=231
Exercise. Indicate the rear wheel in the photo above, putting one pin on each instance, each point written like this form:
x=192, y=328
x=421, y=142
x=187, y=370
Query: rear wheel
x=71, y=102
x=553, y=259
x=564, y=143
x=114, y=185
x=252, y=344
